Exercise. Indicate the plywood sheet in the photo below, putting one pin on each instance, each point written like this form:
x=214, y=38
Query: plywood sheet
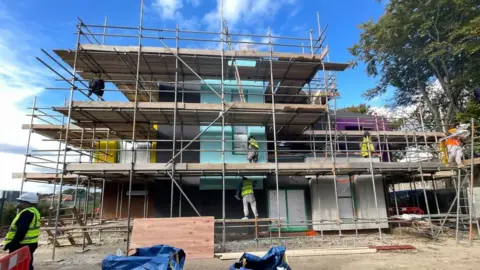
x=192, y=234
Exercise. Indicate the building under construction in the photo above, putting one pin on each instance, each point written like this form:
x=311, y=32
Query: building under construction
x=168, y=138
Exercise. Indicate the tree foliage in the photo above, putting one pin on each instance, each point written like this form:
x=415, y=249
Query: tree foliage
x=417, y=42
x=472, y=110
x=362, y=108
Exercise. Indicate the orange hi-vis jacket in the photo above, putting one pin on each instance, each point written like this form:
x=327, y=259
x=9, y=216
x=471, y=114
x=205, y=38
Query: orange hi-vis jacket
x=455, y=141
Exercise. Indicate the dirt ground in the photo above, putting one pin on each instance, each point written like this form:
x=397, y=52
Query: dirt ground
x=442, y=254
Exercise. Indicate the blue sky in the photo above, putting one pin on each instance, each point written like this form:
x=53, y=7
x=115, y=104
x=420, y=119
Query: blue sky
x=27, y=26
x=52, y=24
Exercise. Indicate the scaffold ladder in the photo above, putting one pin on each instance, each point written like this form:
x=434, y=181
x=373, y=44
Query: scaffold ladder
x=462, y=207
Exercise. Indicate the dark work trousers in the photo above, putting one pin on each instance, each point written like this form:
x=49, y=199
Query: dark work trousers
x=32, y=248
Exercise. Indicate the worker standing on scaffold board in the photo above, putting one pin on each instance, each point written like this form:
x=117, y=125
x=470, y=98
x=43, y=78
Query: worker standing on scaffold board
x=252, y=150
x=245, y=193
x=25, y=227
x=366, y=146
x=455, y=150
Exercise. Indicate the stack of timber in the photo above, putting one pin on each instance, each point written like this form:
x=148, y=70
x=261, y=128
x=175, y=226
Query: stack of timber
x=195, y=235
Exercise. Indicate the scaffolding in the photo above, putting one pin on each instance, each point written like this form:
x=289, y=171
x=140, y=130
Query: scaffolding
x=156, y=75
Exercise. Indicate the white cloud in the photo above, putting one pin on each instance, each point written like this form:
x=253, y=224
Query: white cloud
x=21, y=78
x=294, y=12
x=169, y=9
x=398, y=112
x=244, y=12
x=190, y=24
x=194, y=3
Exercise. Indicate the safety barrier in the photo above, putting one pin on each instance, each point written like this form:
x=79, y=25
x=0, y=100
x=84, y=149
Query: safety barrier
x=17, y=260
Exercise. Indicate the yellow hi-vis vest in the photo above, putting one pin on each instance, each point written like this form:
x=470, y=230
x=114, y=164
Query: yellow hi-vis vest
x=366, y=146
x=33, y=229
x=247, y=187
x=253, y=143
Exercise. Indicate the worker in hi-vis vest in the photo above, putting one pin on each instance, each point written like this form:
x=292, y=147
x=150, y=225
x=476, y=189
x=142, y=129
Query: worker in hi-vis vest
x=25, y=227
x=454, y=148
x=245, y=190
x=366, y=146
x=252, y=150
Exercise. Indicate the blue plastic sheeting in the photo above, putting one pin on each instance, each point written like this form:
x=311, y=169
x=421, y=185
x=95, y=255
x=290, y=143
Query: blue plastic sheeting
x=159, y=257
x=273, y=260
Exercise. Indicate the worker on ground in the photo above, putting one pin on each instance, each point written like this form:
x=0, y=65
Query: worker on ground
x=366, y=146
x=454, y=148
x=252, y=150
x=25, y=227
x=245, y=190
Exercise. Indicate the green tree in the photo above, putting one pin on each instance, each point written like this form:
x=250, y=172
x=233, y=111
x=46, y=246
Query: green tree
x=9, y=212
x=362, y=108
x=472, y=111
x=416, y=42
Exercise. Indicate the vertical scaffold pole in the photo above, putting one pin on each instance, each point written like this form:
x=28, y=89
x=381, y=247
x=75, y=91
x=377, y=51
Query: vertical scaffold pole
x=145, y=202
x=118, y=199
x=85, y=211
x=332, y=147
x=174, y=122
x=56, y=166
x=372, y=174
x=120, y=209
x=459, y=186
x=396, y=205
x=424, y=185
x=319, y=206
x=94, y=202
x=27, y=150
x=272, y=90
x=470, y=200
x=101, y=209
x=181, y=155
x=70, y=103
x=132, y=169
x=222, y=85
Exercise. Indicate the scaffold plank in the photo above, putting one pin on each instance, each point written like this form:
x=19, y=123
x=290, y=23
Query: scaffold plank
x=203, y=52
x=159, y=169
x=159, y=64
x=75, y=133
x=117, y=116
x=373, y=133
x=46, y=176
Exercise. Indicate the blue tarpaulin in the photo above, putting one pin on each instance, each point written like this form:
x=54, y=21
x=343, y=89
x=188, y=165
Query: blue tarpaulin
x=159, y=257
x=273, y=260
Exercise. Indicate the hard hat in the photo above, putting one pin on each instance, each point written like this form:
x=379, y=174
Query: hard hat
x=28, y=197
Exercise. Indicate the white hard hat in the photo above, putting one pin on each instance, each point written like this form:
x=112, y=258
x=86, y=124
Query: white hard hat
x=28, y=197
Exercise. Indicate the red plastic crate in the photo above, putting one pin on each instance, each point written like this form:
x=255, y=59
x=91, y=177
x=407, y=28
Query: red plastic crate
x=17, y=260
x=406, y=210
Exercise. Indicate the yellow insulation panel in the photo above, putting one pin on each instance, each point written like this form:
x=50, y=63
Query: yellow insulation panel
x=443, y=152
x=106, y=152
x=153, y=153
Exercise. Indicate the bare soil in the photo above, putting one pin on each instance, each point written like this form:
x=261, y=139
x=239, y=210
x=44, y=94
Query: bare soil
x=441, y=254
